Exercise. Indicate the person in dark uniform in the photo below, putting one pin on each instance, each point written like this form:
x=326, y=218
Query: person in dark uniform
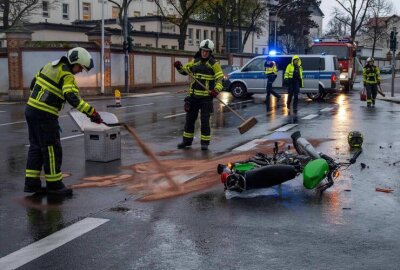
x=51, y=87
x=371, y=79
x=294, y=79
x=271, y=71
x=208, y=71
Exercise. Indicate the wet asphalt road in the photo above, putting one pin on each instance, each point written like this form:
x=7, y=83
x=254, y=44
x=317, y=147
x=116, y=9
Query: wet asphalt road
x=351, y=226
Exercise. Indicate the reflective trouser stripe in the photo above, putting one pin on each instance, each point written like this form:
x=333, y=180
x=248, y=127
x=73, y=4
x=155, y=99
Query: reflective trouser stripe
x=42, y=106
x=205, y=138
x=188, y=135
x=32, y=173
x=52, y=160
x=54, y=177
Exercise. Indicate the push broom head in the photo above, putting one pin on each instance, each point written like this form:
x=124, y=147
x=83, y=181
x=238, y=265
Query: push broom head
x=248, y=124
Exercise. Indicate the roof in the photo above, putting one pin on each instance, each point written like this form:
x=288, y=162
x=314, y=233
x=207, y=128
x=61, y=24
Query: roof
x=381, y=21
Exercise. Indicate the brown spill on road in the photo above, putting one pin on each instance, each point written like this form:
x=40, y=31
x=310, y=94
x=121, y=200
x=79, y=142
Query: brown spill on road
x=191, y=175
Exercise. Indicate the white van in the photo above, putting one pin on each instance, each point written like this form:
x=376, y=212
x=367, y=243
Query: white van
x=320, y=73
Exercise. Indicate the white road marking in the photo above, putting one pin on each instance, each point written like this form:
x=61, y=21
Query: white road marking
x=2, y=111
x=327, y=109
x=19, y=122
x=285, y=128
x=310, y=116
x=139, y=105
x=147, y=95
x=174, y=115
x=49, y=243
x=12, y=123
x=65, y=138
x=249, y=145
x=240, y=102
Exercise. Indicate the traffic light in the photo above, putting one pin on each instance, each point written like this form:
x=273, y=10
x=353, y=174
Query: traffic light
x=130, y=44
x=393, y=40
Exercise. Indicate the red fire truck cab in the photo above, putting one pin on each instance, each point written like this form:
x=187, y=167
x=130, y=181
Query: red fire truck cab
x=345, y=50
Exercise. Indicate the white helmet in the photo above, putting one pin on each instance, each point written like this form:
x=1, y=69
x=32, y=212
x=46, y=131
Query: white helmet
x=80, y=56
x=207, y=44
x=370, y=59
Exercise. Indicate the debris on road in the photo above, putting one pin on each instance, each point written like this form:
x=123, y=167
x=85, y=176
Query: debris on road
x=385, y=190
x=363, y=166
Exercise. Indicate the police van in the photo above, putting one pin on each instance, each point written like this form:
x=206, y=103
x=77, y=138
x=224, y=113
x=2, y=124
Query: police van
x=320, y=74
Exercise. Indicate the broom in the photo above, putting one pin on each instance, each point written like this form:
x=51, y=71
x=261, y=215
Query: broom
x=147, y=151
x=246, y=125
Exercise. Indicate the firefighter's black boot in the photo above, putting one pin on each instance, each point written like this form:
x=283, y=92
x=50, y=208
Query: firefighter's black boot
x=58, y=188
x=204, y=147
x=184, y=145
x=32, y=186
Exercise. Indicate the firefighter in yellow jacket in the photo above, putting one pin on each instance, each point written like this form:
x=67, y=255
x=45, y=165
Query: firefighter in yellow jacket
x=293, y=78
x=208, y=71
x=371, y=79
x=51, y=87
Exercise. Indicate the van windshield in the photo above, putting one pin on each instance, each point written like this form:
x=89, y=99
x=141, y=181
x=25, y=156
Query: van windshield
x=342, y=52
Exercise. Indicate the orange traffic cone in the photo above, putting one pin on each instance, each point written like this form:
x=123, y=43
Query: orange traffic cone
x=117, y=95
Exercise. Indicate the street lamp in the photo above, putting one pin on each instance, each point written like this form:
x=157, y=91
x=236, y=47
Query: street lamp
x=276, y=20
x=102, y=47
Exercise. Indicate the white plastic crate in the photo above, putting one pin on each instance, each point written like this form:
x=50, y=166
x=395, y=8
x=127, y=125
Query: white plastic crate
x=102, y=144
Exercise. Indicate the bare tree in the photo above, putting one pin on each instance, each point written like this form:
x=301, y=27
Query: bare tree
x=15, y=11
x=337, y=28
x=376, y=27
x=182, y=10
x=352, y=13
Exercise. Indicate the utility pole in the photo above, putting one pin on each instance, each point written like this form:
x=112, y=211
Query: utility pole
x=126, y=51
x=393, y=45
x=102, y=47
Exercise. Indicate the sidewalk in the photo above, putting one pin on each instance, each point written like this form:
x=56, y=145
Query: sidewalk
x=389, y=98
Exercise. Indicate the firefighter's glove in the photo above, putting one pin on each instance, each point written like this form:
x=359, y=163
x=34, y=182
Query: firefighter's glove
x=95, y=117
x=178, y=65
x=214, y=93
x=186, y=106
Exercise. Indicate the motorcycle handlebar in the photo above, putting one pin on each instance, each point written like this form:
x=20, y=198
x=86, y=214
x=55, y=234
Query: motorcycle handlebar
x=355, y=156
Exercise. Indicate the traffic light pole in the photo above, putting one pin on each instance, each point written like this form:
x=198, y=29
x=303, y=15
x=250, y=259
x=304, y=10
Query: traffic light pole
x=126, y=50
x=393, y=45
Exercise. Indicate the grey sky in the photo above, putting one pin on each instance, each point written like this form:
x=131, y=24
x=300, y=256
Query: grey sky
x=328, y=5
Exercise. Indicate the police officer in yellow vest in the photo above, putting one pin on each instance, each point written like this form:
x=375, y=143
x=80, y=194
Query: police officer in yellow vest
x=271, y=71
x=294, y=80
x=208, y=71
x=51, y=87
x=371, y=79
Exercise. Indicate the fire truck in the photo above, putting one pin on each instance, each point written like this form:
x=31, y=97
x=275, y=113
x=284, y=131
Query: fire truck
x=345, y=50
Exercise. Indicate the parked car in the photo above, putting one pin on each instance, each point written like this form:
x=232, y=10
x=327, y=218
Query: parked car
x=226, y=69
x=320, y=72
x=386, y=69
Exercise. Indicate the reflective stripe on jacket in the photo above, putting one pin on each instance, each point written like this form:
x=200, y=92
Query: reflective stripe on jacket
x=371, y=74
x=208, y=72
x=52, y=85
x=290, y=69
x=271, y=70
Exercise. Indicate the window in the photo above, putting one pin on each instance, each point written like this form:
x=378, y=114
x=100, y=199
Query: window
x=312, y=63
x=86, y=11
x=65, y=11
x=263, y=50
x=164, y=46
x=256, y=50
x=255, y=65
x=115, y=12
x=198, y=36
x=45, y=8
x=136, y=14
x=174, y=47
x=212, y=35
x=149, y=45
x=149, y=14
x=205, y=34
x=143, y=28
x=190, y=36
x=137, y=44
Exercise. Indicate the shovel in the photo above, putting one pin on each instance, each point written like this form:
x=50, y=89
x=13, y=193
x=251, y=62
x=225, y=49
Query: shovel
x=148, y=152
x=246, y=125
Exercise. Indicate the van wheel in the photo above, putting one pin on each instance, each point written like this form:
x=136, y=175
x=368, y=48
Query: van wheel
x=238, y=90
x=315, y=96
